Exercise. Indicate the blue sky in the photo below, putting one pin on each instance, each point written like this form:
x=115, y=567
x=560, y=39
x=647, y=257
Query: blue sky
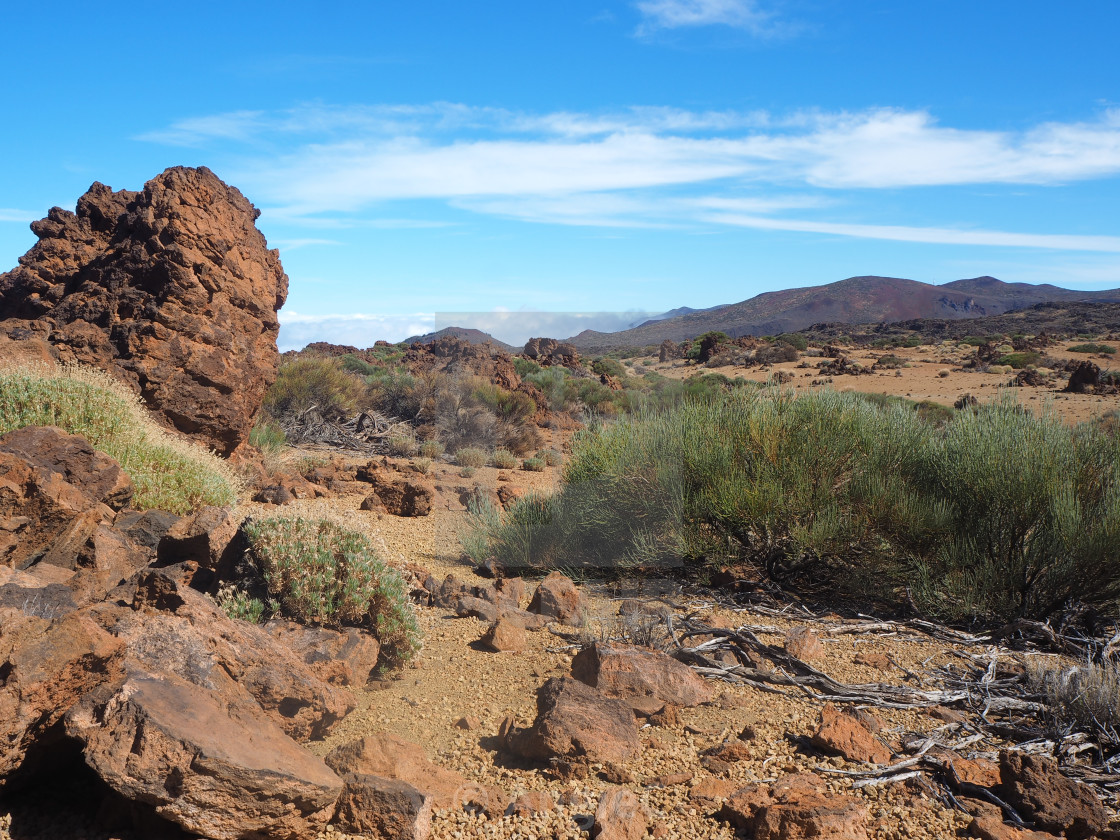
x=633, y=156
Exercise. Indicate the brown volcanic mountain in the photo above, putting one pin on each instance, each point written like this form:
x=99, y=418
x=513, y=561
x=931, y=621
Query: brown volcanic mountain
x=857, y=300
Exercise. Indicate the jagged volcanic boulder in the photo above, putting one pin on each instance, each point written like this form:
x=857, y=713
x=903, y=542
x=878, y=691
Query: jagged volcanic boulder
x=171, y=289
x=455, y=356
x=549, y=351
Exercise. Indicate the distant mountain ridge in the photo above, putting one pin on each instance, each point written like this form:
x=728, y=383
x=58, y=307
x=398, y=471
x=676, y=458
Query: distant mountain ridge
x=856, y=300
x=467, y=334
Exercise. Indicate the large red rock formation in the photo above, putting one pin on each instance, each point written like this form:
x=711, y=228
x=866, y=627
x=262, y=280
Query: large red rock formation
x=171, y=289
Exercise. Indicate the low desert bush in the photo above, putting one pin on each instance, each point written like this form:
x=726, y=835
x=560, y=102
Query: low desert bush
x=269, y=438
x=318, y=572
x=988, y=514
x=422, y=465
x=533, y=464
x=1018, y=361
x=309, y=381
x=431, y=449
x=470, y=456
x=503, y=459
x=1100, y=349
x=550, y=456
x=467, y=472
x=168, y=472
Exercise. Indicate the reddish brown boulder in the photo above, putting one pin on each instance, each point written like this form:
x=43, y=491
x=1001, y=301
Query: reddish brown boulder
x=620, y=816
x=557, y=597
x=48, y=666
x=216, y=770
x=172, y=290
x=399, y=497
x=573, y=720
x=392, y=757
x=206, y=537
x=340, y=657
x=384, y=808
x=506, y=635
x=804, y=644
x=51, y=449
x=795, y=808
x=1084, y=379
x=1035, y=787
x=845, y=733
x=549, y=351
x=994, y=828
x=646, y=677
x=175, y=630
x=55, y=489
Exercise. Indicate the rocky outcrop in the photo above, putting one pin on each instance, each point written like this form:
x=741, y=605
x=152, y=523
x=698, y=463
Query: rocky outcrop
x=398, y=497
x=454, y=356
x=548, y=352
x=171, y=289
x=55, y=490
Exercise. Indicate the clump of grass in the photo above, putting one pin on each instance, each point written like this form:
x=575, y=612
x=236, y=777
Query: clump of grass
x=1088, y=695
x=168, y=472
x=503, y=459
x=470, y=456
x=318, y=572
x=240, y=605
x=550, y=456
x=422, y=465
x=467, y=472
x=270, y=439
x=533, y=464
x=401, y=445
x=431, y=449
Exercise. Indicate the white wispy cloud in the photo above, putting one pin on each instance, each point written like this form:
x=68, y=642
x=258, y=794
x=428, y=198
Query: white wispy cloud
x=322, y=164
x=9, y=214
x=674, y=14
x=293, y=244
x=931, y=235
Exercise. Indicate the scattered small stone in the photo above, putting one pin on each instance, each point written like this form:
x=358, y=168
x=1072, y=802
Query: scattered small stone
x=804, y=644
x=468, y=722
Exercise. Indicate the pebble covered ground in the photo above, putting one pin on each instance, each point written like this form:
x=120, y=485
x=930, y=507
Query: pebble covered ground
x=455, y=678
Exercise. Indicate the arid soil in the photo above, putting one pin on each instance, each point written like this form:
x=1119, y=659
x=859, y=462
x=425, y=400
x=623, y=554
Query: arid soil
x=456, y=679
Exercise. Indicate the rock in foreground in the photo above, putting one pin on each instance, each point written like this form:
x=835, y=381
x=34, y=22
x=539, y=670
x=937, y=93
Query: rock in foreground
x=171, y=289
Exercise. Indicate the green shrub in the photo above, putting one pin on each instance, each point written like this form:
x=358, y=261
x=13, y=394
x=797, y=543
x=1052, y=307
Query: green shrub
x=525, y=367
x=987, y=514
x=467, y=472
x=422, y=465
x=1029, y=510
x=318, y=572
x=503, y=459
x=167, y=472
x=776, y=353
x=795, y=340
x=240, y=605
x=470, y=456
x=1021, y=360
x=533, y=464
x=431, y=449
x=1100, y=349
x=605, y=366
x=309, y=381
